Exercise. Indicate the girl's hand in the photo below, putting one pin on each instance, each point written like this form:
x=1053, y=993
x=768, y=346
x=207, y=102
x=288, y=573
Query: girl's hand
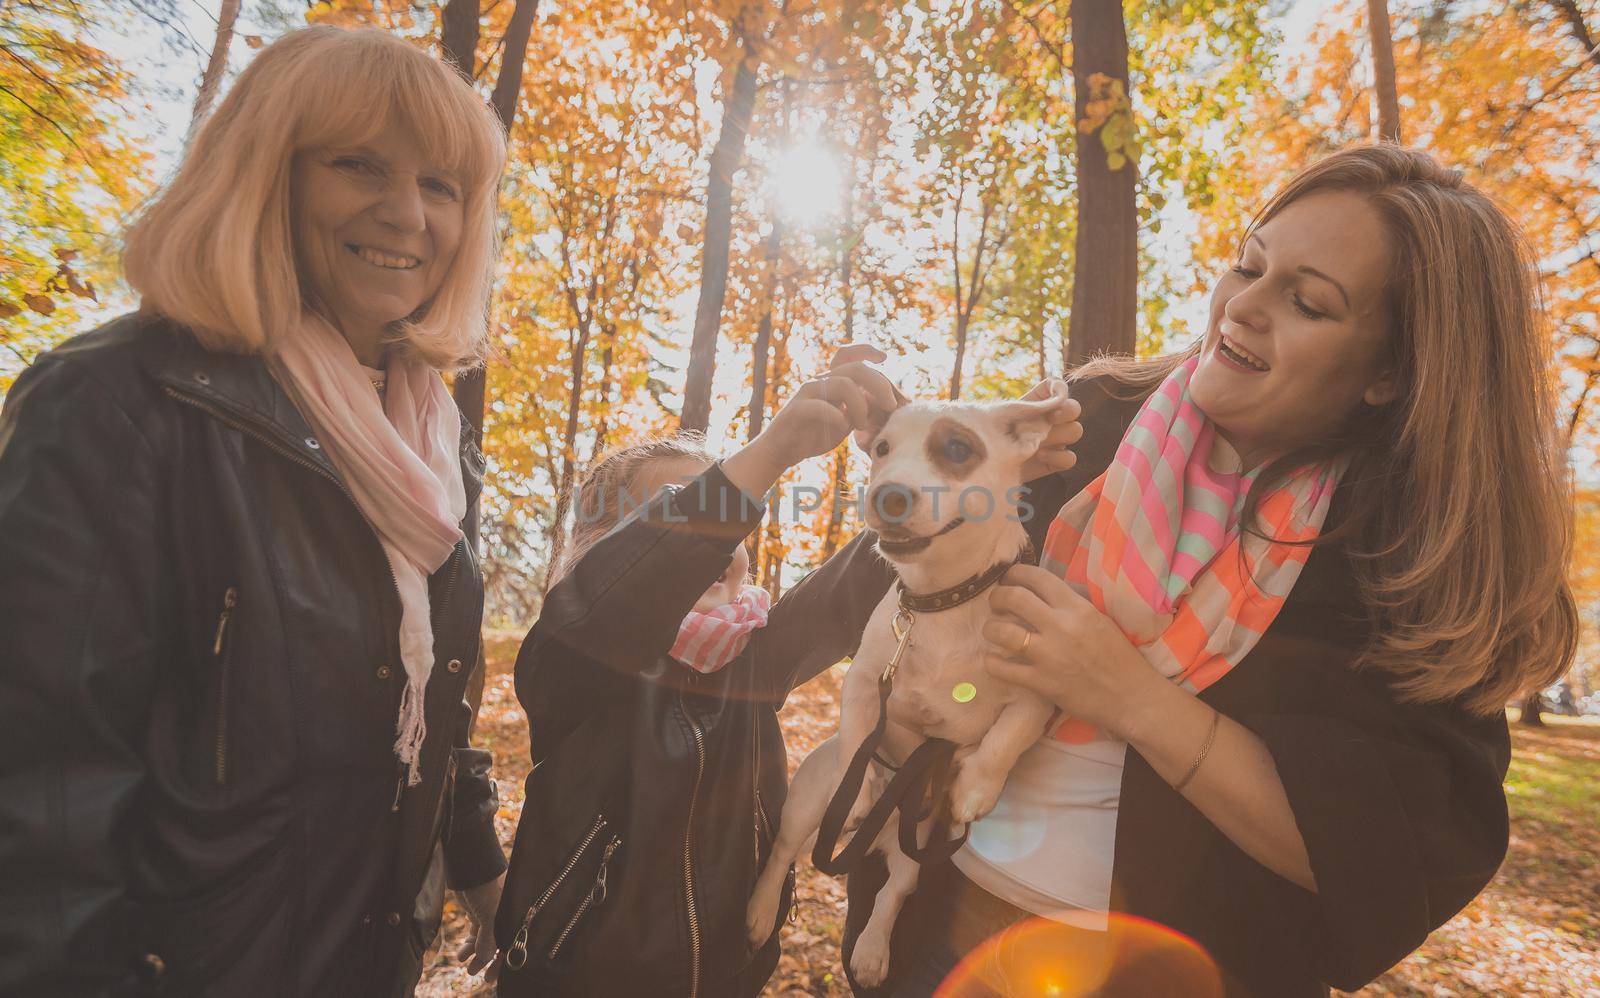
x=1053, y=455
x=478, y=949
x=1076, y=657
x=853, y=395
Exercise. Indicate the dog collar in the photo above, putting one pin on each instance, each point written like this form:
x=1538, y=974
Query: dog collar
x=961, y=592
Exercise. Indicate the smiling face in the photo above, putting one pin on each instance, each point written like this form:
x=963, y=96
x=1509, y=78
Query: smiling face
x=376, y=228
x=1298, y=336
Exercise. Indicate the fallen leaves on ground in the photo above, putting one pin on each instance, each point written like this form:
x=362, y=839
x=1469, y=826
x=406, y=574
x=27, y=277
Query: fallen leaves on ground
x=1534, y=931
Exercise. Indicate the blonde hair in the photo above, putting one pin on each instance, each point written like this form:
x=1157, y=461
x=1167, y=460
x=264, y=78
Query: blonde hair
x=608, y=491
x=1457, y=490
x=215, y=251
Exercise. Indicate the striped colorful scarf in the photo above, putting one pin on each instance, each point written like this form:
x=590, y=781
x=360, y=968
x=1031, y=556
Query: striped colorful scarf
x=710, y=639
x=1156, y=544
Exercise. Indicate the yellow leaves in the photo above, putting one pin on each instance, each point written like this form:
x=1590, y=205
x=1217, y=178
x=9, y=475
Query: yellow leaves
x=71, y=173
x=1109, y=111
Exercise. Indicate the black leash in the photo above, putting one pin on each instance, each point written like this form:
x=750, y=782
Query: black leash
x=924, y=778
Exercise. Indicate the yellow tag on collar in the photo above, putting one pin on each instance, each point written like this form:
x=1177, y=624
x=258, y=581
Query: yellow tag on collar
x=963, y=692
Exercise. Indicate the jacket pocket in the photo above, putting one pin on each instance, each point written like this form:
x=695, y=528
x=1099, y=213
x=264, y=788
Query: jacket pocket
x=549, y=924
x=221, y=645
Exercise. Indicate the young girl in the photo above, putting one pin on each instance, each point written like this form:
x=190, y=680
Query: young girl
x=651, y=682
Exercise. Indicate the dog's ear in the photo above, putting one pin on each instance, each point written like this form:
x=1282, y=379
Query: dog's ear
x=879, y=419
x=1023, y=425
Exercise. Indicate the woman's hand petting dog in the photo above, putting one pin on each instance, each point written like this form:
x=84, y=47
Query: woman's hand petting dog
x=1045, y=637
x=1053, y=454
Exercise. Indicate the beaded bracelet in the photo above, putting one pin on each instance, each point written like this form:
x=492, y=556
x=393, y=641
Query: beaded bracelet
x=1194, y=767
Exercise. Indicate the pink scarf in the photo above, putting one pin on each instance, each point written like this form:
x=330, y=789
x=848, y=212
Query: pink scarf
x=401, y=461
x=1156, y=544
x=710, y=639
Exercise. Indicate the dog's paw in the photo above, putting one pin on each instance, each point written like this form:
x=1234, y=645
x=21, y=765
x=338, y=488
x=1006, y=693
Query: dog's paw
x=974, y=793
x=869, y=962
x=761, y=916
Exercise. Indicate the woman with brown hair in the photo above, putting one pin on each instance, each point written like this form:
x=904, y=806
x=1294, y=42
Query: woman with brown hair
x=1296, y=574
x=238, y=607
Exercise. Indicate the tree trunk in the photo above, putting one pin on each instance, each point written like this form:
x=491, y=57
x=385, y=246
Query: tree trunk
x=513, y=54
x=1532, y=711
x=967, y=301
x=217, y=65
x=725, y=157
x=569, y=447
x=1106, y=251
x=772, y=257
x=963, y=320
x=458, y=38
x=1383, y=71
x=602, y=427
x=763, y=344
x=458, y=35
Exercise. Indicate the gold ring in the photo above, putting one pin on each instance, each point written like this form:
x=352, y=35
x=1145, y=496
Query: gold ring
x=1027, y=636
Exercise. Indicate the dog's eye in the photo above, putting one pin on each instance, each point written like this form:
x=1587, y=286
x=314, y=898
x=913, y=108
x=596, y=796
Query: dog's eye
x=957, y=450
x=880, y=448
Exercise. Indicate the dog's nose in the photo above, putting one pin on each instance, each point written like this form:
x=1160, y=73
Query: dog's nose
x=893, y=502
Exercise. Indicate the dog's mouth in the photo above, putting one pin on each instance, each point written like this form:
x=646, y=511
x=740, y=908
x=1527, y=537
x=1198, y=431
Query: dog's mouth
x=897, y=546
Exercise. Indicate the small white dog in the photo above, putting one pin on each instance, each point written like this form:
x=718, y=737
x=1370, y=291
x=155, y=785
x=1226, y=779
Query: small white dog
x=942, y=496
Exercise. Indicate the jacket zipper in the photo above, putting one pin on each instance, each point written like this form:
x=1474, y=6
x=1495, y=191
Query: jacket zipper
x=517, y=955
x=688, y=854
x=279, y=449
x=230, y=599
x=596, y=893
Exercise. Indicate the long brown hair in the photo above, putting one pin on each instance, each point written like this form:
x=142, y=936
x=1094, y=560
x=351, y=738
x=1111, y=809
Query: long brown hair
x=1459, y=511
x=608, y=491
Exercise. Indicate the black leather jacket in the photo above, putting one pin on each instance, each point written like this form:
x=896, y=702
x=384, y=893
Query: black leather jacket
x=671, y=781
x=199, y=686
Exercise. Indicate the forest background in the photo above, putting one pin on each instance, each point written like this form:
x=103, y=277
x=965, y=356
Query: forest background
x=703, y=200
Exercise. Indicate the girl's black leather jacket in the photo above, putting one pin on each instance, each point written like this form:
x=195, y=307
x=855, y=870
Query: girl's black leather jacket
x=656, y=791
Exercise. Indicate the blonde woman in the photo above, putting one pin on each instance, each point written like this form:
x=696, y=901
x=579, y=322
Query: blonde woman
x=1296, y=575
x=239, y=611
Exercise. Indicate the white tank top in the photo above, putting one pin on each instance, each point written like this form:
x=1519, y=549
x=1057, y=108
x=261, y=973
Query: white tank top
x=1048, y=845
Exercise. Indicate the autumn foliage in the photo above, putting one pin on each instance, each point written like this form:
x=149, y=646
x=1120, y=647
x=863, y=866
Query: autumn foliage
x=906, y=175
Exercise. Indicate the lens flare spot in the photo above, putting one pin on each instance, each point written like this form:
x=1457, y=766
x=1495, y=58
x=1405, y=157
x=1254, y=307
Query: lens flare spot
x=963, y=692
x=1041, y=957
x=1008, y=833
